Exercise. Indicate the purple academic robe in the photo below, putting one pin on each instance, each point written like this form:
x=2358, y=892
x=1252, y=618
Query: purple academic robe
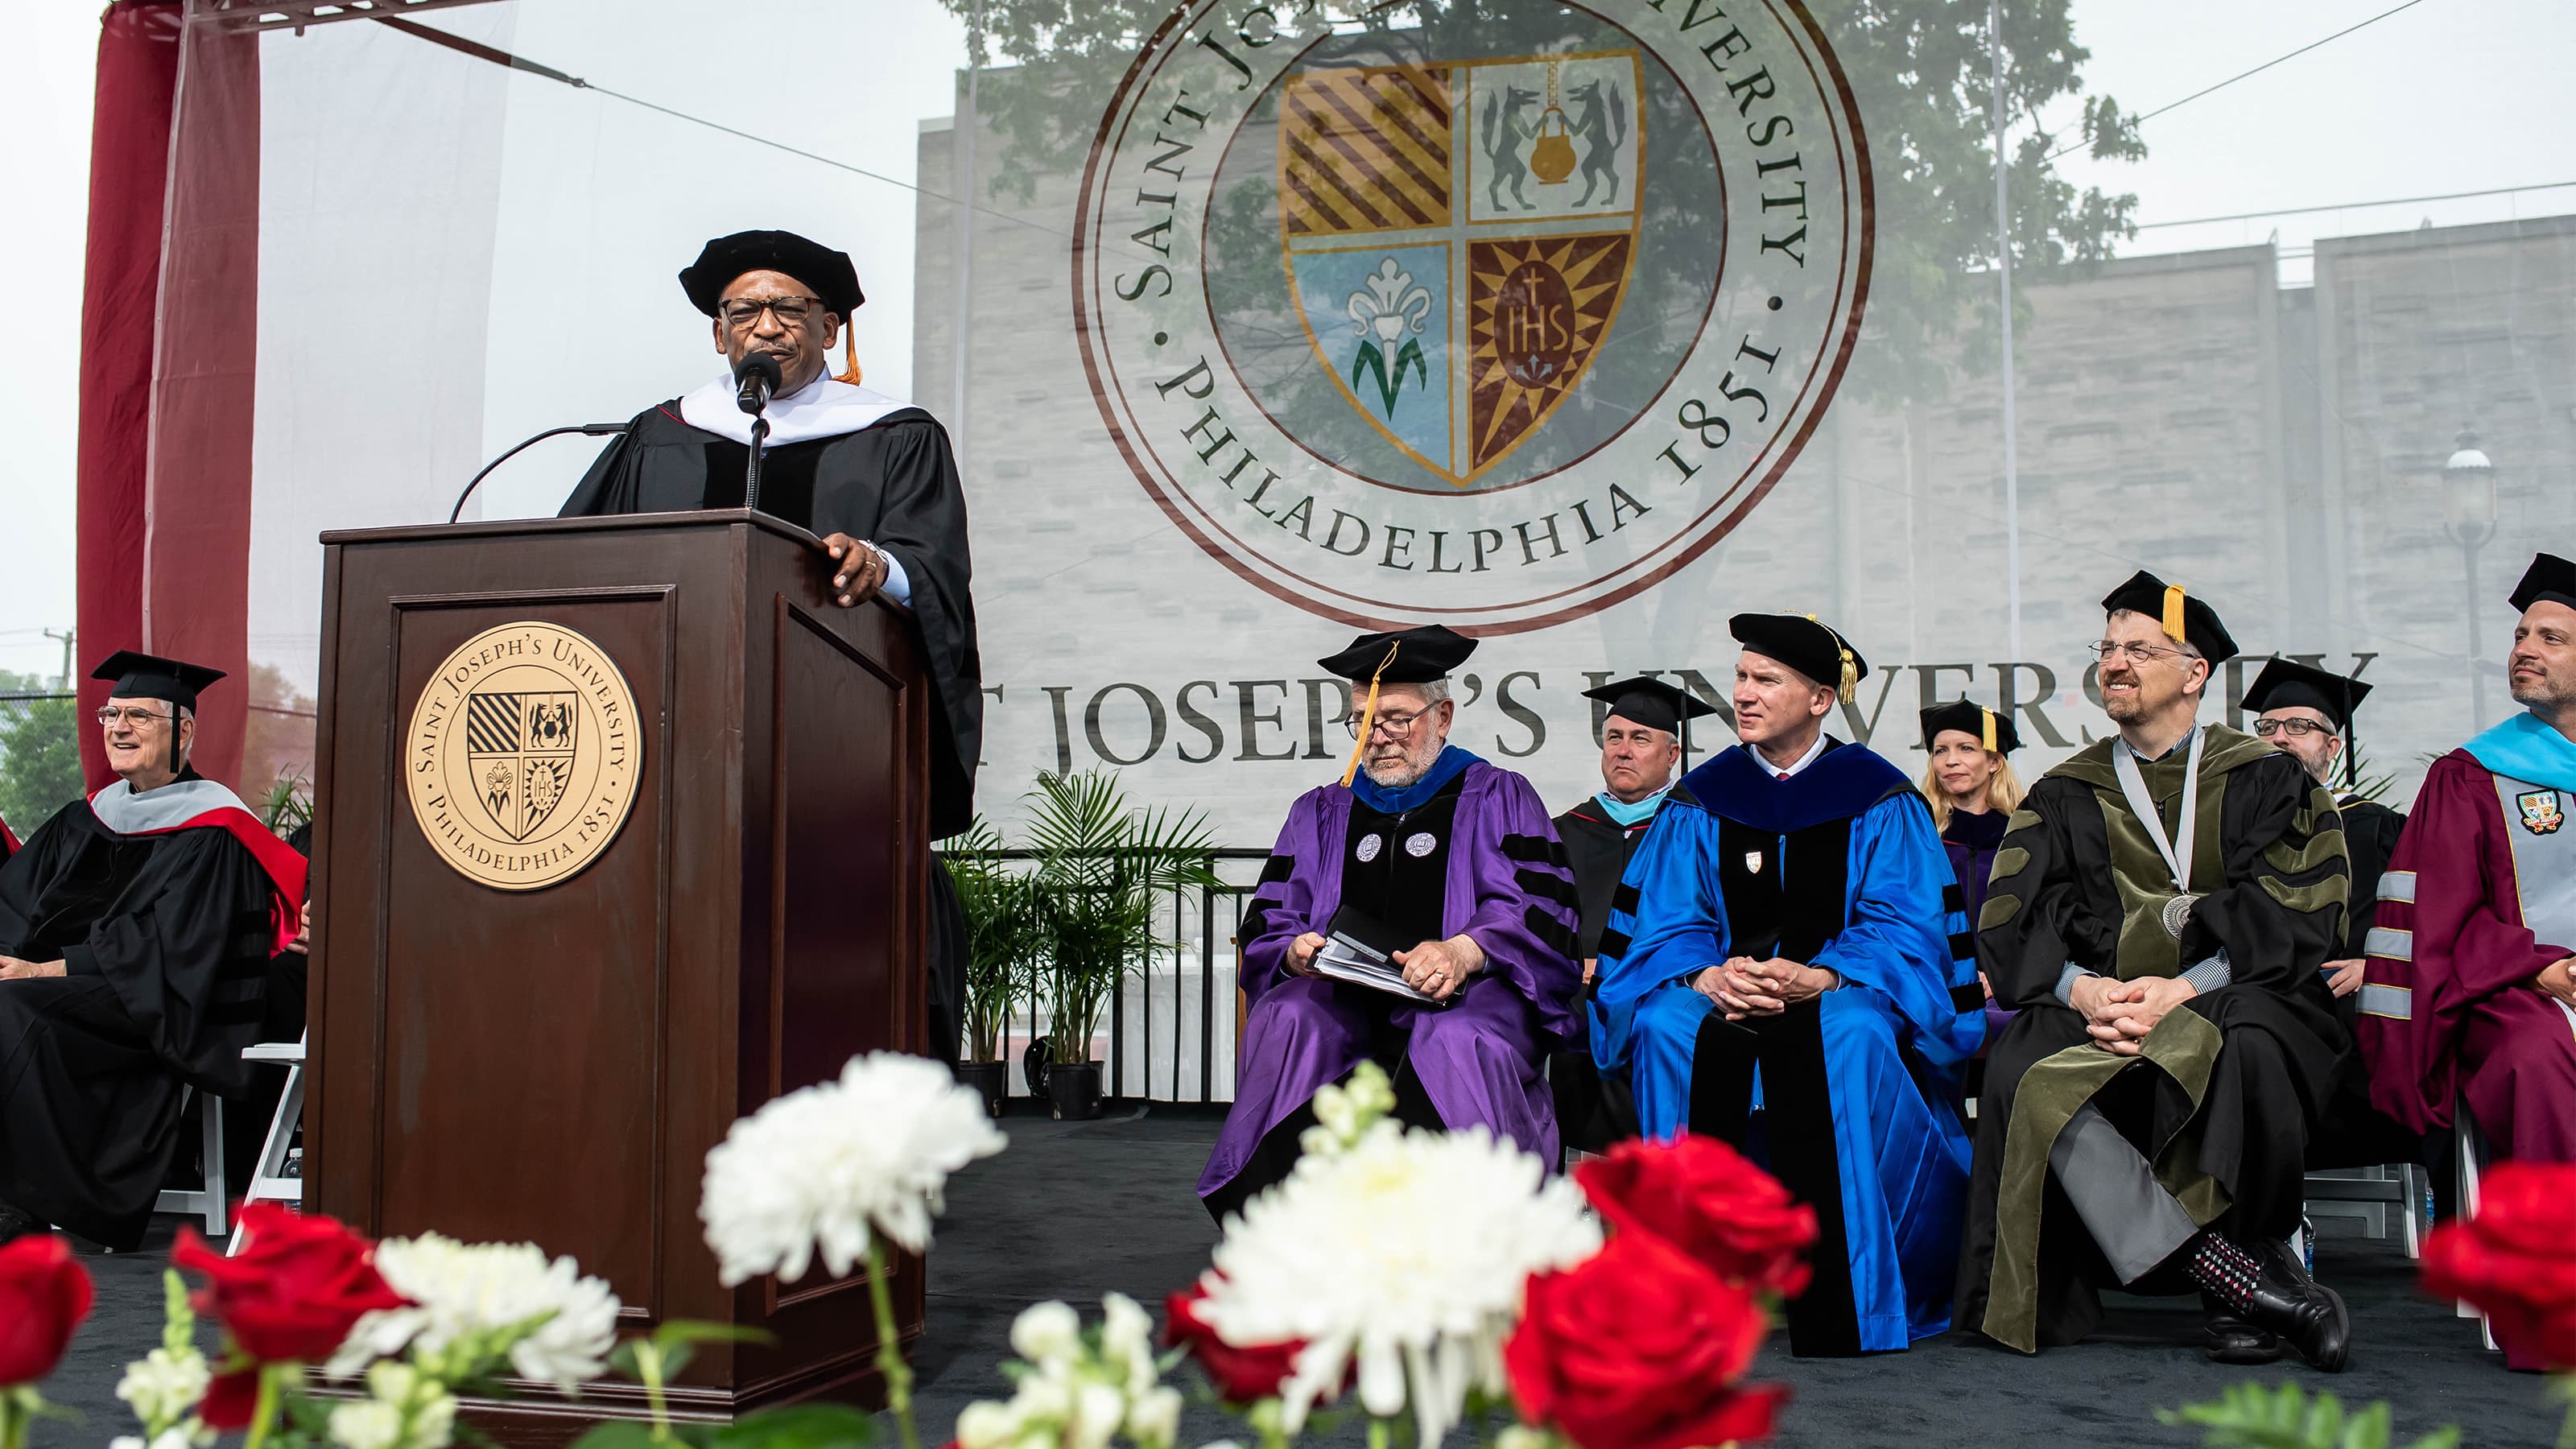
x=1479, y=1061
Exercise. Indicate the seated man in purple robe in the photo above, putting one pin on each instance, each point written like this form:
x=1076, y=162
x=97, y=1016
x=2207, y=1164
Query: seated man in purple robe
x=1449, y=867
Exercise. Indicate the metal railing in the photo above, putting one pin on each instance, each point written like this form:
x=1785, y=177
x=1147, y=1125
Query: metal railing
x=1170, y=1033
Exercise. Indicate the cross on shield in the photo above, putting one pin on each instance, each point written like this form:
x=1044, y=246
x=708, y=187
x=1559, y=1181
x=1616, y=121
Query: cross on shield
x=519, y=748
x=1458, y=239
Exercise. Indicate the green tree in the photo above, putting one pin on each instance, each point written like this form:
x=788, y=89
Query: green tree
x=1919, y=68
x=40, y=767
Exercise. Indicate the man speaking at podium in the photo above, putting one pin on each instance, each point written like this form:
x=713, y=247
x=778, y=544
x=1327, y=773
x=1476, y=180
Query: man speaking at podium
x=871, y=475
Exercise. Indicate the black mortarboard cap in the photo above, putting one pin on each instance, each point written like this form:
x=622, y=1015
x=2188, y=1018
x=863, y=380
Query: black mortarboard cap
x=2286, y=682
x=132, y=675
x=2182, y=615
x=1797, y=640
x=2549, y=577
x=1649, y=701
x=1406, y=656
x=726, y=258
x=1994, y=731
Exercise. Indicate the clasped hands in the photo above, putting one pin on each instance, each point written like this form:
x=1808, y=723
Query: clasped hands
x=1437, y=969
x=2119, y=1014
x=1745, y=987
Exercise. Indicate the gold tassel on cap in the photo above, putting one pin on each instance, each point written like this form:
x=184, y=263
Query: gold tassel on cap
x=1847, y=687
x=849, y=358
x=2173, y=612
x=1368, y=717
x=1986, y=718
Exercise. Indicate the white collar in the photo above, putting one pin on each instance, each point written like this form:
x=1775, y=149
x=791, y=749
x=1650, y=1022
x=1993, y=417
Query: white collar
x=823, y=408
x=1802, y=762
x=121, y=810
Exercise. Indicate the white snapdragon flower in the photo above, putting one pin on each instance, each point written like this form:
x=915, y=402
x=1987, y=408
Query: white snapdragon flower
x=164, y=1387
x=404, y=1409
x=1045, y=1332
x=1353, y=1255
x=1079, y=1392
x=825, y=1166
x=168, y=1439
x=481, y=1295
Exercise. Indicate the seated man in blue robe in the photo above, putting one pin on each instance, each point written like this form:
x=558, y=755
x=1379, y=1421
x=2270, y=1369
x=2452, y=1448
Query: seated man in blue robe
x=1788, y=967
x=1448, y=865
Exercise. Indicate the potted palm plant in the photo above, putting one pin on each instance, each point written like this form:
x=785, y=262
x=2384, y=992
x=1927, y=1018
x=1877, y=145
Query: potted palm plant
x=1004, y=937
x=1101, y=864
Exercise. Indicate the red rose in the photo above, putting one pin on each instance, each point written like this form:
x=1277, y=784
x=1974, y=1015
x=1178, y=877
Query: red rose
x=1241, y=1375
x=232, y=1400
x=1640, y=1347
x=1704, y=1198
x=296, y=1288
x=2512, y=1259
x=44, y=1295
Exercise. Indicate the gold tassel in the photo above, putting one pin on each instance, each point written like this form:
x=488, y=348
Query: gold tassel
x=1368, y=716
x=1987, y=718
x=2173, y=613
x=1847, y=687
x=849, y=358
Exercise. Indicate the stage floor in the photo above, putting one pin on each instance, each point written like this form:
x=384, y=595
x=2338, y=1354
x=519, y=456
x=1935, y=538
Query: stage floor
x=1071, y=1211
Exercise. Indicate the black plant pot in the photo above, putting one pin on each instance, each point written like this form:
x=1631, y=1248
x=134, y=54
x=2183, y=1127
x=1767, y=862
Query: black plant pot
x=1075, y=1091
x=989, y=1079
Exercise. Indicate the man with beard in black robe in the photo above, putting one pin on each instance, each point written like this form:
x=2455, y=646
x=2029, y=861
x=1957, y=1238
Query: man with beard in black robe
x=137, y=930
x=871, y=475
x=1644, y=726
x=2160, y=911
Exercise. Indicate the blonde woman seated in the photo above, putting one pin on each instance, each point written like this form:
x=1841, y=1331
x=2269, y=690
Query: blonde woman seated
x=1973, y=791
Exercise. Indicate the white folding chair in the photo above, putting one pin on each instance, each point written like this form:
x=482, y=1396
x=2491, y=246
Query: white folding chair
x=279, y=1177
x=207, y=1202
x=2472, y=1148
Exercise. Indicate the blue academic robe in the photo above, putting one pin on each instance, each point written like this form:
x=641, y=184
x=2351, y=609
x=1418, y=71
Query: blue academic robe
x=1848, y=1097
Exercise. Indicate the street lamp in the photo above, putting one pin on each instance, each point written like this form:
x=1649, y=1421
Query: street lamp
x=2469, y=516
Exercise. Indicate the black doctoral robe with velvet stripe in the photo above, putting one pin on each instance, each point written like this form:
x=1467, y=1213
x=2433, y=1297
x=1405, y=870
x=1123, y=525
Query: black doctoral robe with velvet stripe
x=2231, y=1085
x=168, y=941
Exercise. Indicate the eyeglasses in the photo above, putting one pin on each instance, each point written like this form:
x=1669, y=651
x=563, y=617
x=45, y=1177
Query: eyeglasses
x=790, y=311
x=2131, y=650
x=2298, y=728
x=138, y=718
x=1396, y=726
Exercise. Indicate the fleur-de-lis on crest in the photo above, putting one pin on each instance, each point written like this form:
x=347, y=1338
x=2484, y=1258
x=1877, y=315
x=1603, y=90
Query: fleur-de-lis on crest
x=1388, y=303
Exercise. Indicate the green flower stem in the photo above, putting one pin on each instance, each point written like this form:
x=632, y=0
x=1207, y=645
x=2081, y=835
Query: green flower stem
x=648, y=1368
x=898, y=1374
x=15, y=1411
x=263, y=1416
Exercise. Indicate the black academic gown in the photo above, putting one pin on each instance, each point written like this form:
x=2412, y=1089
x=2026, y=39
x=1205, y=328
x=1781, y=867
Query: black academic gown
x=2353, y=1133
x=893, y=483
x=2227, y=1119
x=167, y=940
x=1593, y=1111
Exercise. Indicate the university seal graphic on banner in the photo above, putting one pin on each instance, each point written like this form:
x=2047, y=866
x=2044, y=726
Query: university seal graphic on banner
x=1496, y=322
x=522, y=755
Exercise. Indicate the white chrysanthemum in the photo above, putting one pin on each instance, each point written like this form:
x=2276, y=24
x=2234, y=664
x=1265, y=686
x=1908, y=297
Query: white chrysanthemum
x=1360, y=1256
x=465, y=1292
x=164, y=1387
x=819, y=1167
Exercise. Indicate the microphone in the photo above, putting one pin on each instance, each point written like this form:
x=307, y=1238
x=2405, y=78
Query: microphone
x=594, y=430
x=754, y=379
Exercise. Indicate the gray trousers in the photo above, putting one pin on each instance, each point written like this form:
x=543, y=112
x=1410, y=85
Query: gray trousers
x=2133, y=1220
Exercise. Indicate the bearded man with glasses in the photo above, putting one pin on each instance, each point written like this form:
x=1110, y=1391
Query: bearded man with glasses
x=872, y=476
x=1446, y=866
x=139, y=935
x=2159, y=914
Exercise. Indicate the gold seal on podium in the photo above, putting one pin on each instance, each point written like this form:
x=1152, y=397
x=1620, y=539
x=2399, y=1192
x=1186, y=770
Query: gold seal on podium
x=522, y=755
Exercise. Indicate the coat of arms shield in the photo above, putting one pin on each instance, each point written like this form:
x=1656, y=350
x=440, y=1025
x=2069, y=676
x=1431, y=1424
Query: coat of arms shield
x=519, y=747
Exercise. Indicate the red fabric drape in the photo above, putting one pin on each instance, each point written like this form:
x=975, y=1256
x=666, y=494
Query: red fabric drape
x=129, y=159
x=170, y=325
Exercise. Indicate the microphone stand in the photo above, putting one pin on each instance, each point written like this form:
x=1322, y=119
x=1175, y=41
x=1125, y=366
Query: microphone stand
x=596, y=430
x=751, y=475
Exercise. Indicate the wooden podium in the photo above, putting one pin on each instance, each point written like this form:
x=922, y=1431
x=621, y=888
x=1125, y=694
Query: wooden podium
x=551, y=1063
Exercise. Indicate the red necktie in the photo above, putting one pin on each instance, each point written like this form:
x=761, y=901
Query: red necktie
x=1784, y=774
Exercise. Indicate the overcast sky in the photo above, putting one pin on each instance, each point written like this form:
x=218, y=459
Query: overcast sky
x=2449, y=96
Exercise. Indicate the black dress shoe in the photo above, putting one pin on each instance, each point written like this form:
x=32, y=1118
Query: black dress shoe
x=2308, y=1315
x=2230, y=1339
x=15, y=1224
